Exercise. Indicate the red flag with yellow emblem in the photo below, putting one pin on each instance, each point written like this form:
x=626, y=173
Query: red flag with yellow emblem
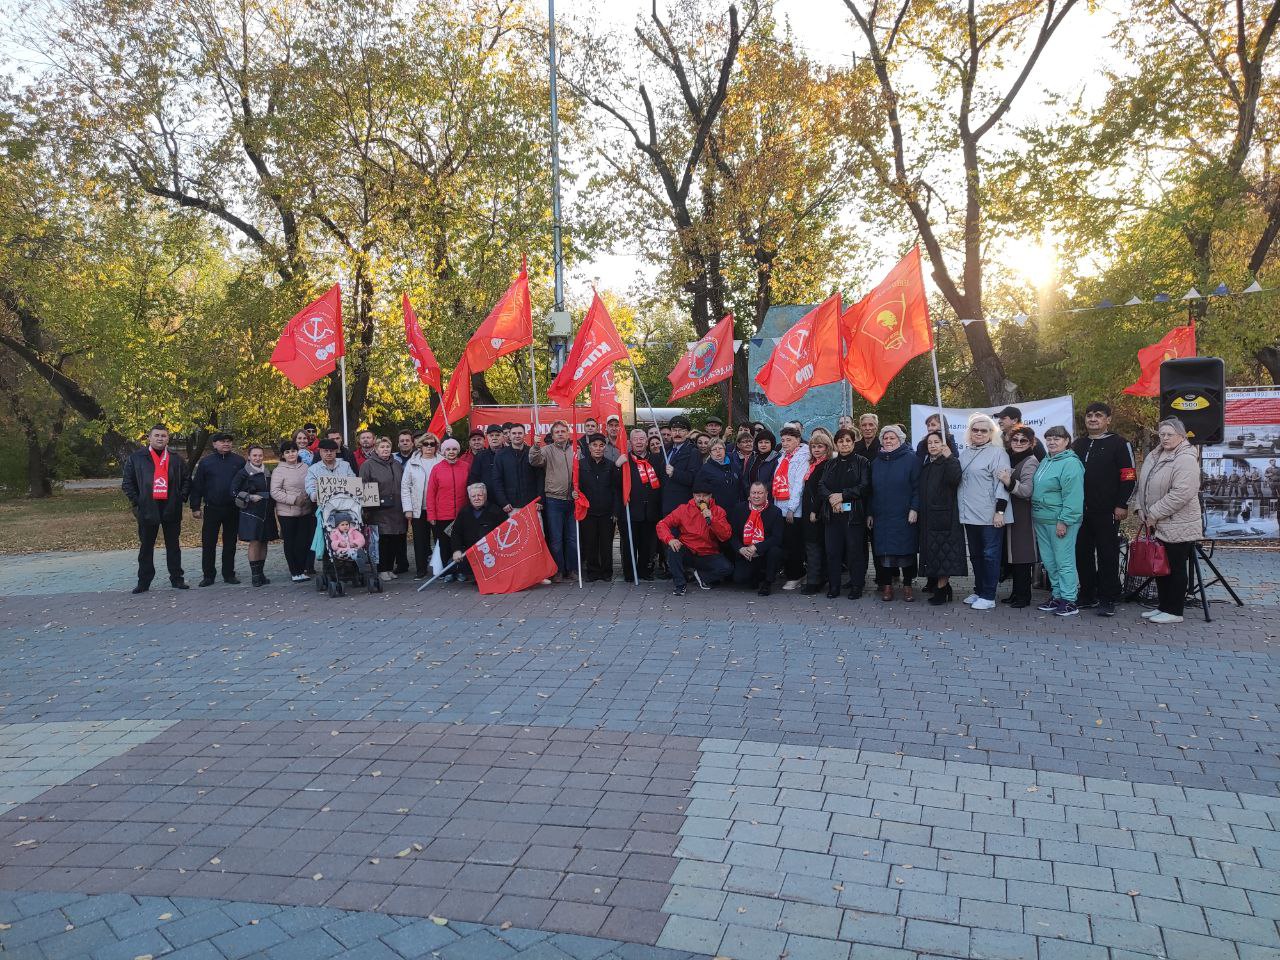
x=807, y=355
x=1177, y=343
x=886, y=328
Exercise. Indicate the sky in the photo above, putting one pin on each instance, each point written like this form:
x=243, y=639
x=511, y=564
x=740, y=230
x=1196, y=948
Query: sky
x=1075, y=60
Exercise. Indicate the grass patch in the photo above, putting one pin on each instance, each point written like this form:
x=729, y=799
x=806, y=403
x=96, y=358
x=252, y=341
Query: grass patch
x=76, y=520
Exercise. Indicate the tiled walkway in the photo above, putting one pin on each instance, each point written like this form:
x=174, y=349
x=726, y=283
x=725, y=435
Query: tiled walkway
x=232, y=772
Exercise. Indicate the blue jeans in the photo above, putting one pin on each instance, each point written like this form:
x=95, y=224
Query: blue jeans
x=984, y=553
x=562, y=533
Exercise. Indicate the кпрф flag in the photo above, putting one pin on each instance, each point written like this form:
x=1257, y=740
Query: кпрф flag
x=595, y=347
x=311, y=343
x=424, y=360
x=709, y=362
x=514, y=556
x=807, y=355
x=507, y=328
x=1177, y=343
x=886, y=328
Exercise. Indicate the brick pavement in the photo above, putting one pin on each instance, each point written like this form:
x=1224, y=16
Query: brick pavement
x=611, y=773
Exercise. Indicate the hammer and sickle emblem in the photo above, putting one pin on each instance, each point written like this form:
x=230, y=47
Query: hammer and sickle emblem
x=507, y=535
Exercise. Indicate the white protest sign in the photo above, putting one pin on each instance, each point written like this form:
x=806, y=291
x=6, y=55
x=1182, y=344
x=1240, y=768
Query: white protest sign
x=366, y=493
x=1039, y=415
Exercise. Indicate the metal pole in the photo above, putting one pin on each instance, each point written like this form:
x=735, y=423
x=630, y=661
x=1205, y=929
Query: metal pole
x=342, y=377
x=573, y=500
x=557, y=252
x=443, y=571
x=631, y=540
x=533, y=376
x=648, y=403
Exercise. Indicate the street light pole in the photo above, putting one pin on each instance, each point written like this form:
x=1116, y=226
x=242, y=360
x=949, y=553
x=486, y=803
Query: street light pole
x=556, y=249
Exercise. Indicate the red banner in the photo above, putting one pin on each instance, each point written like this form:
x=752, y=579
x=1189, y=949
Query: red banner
x=888, y=327
x=508, y=328
x=456, y=402
x=311, y=343
x=807, y=355
x=424, y=361
x=596, y=346
x=515, y=556
x=1177, y=343
x=709, y=362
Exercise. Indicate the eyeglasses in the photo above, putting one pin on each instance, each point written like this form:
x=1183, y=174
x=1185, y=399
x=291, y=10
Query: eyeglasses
x=979, y=429
x=1019, y=440
x=430, y=443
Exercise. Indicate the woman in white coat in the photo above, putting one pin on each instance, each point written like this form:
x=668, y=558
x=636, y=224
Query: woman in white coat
x=413, y=498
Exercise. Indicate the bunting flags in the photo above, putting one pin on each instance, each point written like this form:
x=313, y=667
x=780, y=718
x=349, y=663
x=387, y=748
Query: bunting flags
x=807, y=355
x=1177, y=343
x=708, y=362
x=456, y=402
x=311, y=343
x=885, y=329
x=424, y=361
x=596, y=346
x=508, y=328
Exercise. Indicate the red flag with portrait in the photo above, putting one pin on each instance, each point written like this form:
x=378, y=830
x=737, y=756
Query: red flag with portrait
x=596, y=346
x=456, y=402
x=311, y=343
x=886, y=328
x=1177, y=343
x=807, y=355
x=507, y=328
x=514, y=556
x=708, y=362
x=424, y=360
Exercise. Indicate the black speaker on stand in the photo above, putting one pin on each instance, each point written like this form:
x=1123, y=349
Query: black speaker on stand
x=1194, y=390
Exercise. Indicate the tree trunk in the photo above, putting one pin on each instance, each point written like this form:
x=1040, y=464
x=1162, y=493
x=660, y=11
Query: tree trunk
x=39, y=467
x=986, y=362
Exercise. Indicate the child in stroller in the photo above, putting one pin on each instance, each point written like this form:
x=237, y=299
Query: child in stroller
x=343, y=549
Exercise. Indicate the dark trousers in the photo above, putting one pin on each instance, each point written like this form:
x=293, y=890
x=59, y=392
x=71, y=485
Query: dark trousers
x=984, y=554
x=763, y=569
x=218, y=520
x=885, y=576
x=147, y=533
x=597, y=547
x=793, y=549
x=389, y=545
x=1021, y=582
x=295, y=536
x=815, y=555
x=421, y=527
x=846, y=543
x=1172, y=590
x=646, y=542
x=713, y=568
x=401, y=557
x=1098, y=556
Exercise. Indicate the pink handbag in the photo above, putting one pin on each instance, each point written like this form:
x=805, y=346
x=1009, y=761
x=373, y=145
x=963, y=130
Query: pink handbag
x=1147, y=556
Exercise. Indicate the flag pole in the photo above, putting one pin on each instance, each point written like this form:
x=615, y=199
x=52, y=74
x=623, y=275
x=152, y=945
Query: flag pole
x=653, y=415
x=631, y=540
x=342, y=377
x=533, y=377
x=443, y=571
x=573, y=500
x=945, y=428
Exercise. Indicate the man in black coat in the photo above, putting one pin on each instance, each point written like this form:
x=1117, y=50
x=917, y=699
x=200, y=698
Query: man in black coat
x=334, y=434
x=514, y=480
x=1109, y=479
x=682, y=466
x=214, y=506
x=756, y=544
x=644, y=507
x=598, y=482
x=156, y=482
x=482, y=466
x=474, y=522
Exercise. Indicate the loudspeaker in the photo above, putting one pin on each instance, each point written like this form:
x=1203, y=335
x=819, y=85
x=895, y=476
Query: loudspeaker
x=1194, y=389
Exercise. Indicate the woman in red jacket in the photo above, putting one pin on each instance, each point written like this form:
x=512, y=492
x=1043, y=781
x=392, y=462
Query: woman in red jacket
x=446, y=495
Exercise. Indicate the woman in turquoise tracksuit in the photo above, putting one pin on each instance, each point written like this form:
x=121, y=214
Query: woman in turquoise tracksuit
x=1057, y=507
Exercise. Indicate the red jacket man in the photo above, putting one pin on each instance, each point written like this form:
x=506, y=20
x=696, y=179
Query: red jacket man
x=694, y=534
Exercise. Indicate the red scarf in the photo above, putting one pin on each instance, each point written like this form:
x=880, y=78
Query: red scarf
x=812, y=466
x=782, y=479
x=160, y=484
x=647, y=473
x=753, y=529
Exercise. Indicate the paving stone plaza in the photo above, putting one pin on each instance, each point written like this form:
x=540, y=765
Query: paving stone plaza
x=616, y=773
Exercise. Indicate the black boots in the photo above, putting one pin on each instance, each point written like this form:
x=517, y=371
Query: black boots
x=941, y=595
x=259, y=579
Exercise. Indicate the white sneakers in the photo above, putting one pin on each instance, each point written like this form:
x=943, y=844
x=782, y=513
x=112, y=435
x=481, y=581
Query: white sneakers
x=1148, y=614
x=981, y=604
x=1161, y=617
x=972, y=598
x=793, y=584
x=299, y=578
x=386, y=575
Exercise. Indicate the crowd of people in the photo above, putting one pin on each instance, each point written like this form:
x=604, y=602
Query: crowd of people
x=820, y=513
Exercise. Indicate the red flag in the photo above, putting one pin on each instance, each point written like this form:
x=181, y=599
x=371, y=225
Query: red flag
x=709, y=362
x=424, y=361
x=580, y=503
x=507, y=328
x=514, y=556
x=886, y=328
x=605, y=403
x=596, y=346
x=456, y=402
x=807, y=355
x=311, y=343
x=1177, y=343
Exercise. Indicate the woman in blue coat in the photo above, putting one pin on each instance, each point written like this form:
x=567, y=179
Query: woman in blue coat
x=895, y=502
x=721, y=479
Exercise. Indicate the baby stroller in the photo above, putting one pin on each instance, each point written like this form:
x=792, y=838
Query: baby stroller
x=337, y=567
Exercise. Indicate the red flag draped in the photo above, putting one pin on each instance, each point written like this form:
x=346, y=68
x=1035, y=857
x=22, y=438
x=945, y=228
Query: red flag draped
x=604, y=401
x=886, y=328
x=596, y=346
x=456, y=402
x=1177, y=343
x=424, y=361
x=508, y=328
x=709, y=362
x=514, y=556
x=807, y=355
x=311, y=343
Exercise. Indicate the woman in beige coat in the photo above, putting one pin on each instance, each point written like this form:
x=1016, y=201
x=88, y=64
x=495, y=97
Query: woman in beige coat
x=1167, y=502
x=293, y=509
